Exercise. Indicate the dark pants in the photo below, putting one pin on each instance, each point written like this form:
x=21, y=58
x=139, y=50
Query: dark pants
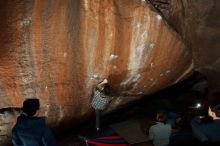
x=97, y=119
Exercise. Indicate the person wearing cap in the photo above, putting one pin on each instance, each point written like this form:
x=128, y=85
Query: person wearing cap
x=30, y=129
x=208, y=132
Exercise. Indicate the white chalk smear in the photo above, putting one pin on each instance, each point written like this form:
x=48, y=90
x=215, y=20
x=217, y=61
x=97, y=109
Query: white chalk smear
x=151, y=79
x=138, y=24
x=159, y=18
x=46, y=88
x=152, y=65
x=26, y=21
x=151, y=45
x=95, y=77
x=168, y=71
x=112, y=57
x=135, y=78
x=64, y=54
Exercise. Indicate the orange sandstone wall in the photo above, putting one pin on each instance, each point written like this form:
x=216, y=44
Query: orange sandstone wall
x=58, y=50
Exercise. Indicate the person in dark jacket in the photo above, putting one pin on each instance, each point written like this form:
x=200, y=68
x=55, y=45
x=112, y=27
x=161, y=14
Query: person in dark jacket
x=31, y=130
x=206, y=131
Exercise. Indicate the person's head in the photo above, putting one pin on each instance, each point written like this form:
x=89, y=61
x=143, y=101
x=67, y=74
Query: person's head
x=214, y=111
x=31, y=106
x=179, y=119
x=161, y=117
x=107, y=90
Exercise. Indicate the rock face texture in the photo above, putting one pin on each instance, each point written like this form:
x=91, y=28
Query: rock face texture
x=199, y=24
x=58, y=51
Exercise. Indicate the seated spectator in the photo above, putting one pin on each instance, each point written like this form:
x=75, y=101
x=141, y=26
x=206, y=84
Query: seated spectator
x=182, y=123
x=160, y=133
x=31, y=130
x=181, y=132
x=171, y=118
x=208, y=131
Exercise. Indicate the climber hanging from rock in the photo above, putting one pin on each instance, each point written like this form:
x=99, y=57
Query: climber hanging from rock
x=101, y=97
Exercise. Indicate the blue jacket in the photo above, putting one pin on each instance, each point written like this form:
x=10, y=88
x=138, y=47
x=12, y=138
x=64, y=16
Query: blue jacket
x=209, y=132
x=32, y=131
